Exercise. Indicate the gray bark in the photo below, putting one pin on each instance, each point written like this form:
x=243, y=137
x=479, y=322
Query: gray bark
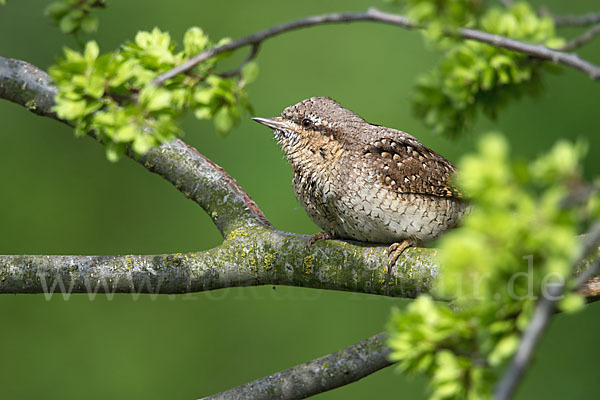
x=329, y=372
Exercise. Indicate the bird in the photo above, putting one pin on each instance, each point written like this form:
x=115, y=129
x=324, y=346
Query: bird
x=365, y=182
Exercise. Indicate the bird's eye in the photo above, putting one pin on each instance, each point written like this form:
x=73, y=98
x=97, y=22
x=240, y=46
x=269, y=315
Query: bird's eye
x=306, y=122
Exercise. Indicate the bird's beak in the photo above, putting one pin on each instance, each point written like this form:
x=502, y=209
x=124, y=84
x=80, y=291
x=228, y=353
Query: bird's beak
x=273, y=123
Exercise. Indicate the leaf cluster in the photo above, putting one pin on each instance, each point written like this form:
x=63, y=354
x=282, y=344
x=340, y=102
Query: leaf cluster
x=437, y=15
x=517, y=238
x=74, y=16
x=113, y=95
x=475, y=77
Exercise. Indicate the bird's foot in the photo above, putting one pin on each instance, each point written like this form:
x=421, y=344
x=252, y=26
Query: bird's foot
x=319, y=236
x=396, y=249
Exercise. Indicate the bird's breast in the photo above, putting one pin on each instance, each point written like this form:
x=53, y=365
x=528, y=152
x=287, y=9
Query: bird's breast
x=346, y=198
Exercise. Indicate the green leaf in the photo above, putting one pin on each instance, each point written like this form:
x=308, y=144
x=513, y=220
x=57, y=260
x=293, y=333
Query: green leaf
x=114, y=151
x=203, y=112
x=126, y=133
x=57, y=9
x=89, y=23
x=571, y=303
x=250, y=72
x=95, y=86
x=73, y=16
x=72, y=56
x=447, y=390
x=143, y=143
x=154, y=99
x=204, y=96
x=223, y=120
x=124, y=72
x=155, y=47
x=504, y=349
x=91, y=51
x=69, y=23
x=194, y=41
x=70, y=110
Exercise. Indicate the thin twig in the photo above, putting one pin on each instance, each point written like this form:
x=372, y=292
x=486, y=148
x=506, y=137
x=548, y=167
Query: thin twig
x=577, y=20
x=580, y=195
x=531, y=337
x=543, y=312
x=374, y=15
x=238, y=71
x=261, y=36
x=583, y=39
x=317, y=376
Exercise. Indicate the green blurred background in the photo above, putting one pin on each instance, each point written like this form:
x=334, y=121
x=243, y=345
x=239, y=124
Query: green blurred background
x=61, y=196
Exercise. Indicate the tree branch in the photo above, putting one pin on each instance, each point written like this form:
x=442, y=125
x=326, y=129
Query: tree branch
x=317, y=376
x=543, y=312
x=583, y=39
x=251, y=56
x=534, y=50
x=577, y=20
x=27, y=85
x=248, y=257
x=374, y=15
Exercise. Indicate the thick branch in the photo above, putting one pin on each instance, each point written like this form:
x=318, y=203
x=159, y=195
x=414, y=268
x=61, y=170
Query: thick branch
x=329, y=372
x=194, y=175
x=27, y=85
x=374, y=15
x=250, y=256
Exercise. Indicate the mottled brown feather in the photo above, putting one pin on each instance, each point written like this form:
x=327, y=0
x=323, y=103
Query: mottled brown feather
x=407, y=166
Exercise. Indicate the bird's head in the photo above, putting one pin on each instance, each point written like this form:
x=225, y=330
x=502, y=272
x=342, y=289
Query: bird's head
x=313, y=128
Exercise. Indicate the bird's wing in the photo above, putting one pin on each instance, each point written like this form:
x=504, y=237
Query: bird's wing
x=405, y=165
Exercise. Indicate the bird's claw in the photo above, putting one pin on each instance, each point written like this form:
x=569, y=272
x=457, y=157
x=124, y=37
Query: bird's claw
x=395, y=250
x=318, y=236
